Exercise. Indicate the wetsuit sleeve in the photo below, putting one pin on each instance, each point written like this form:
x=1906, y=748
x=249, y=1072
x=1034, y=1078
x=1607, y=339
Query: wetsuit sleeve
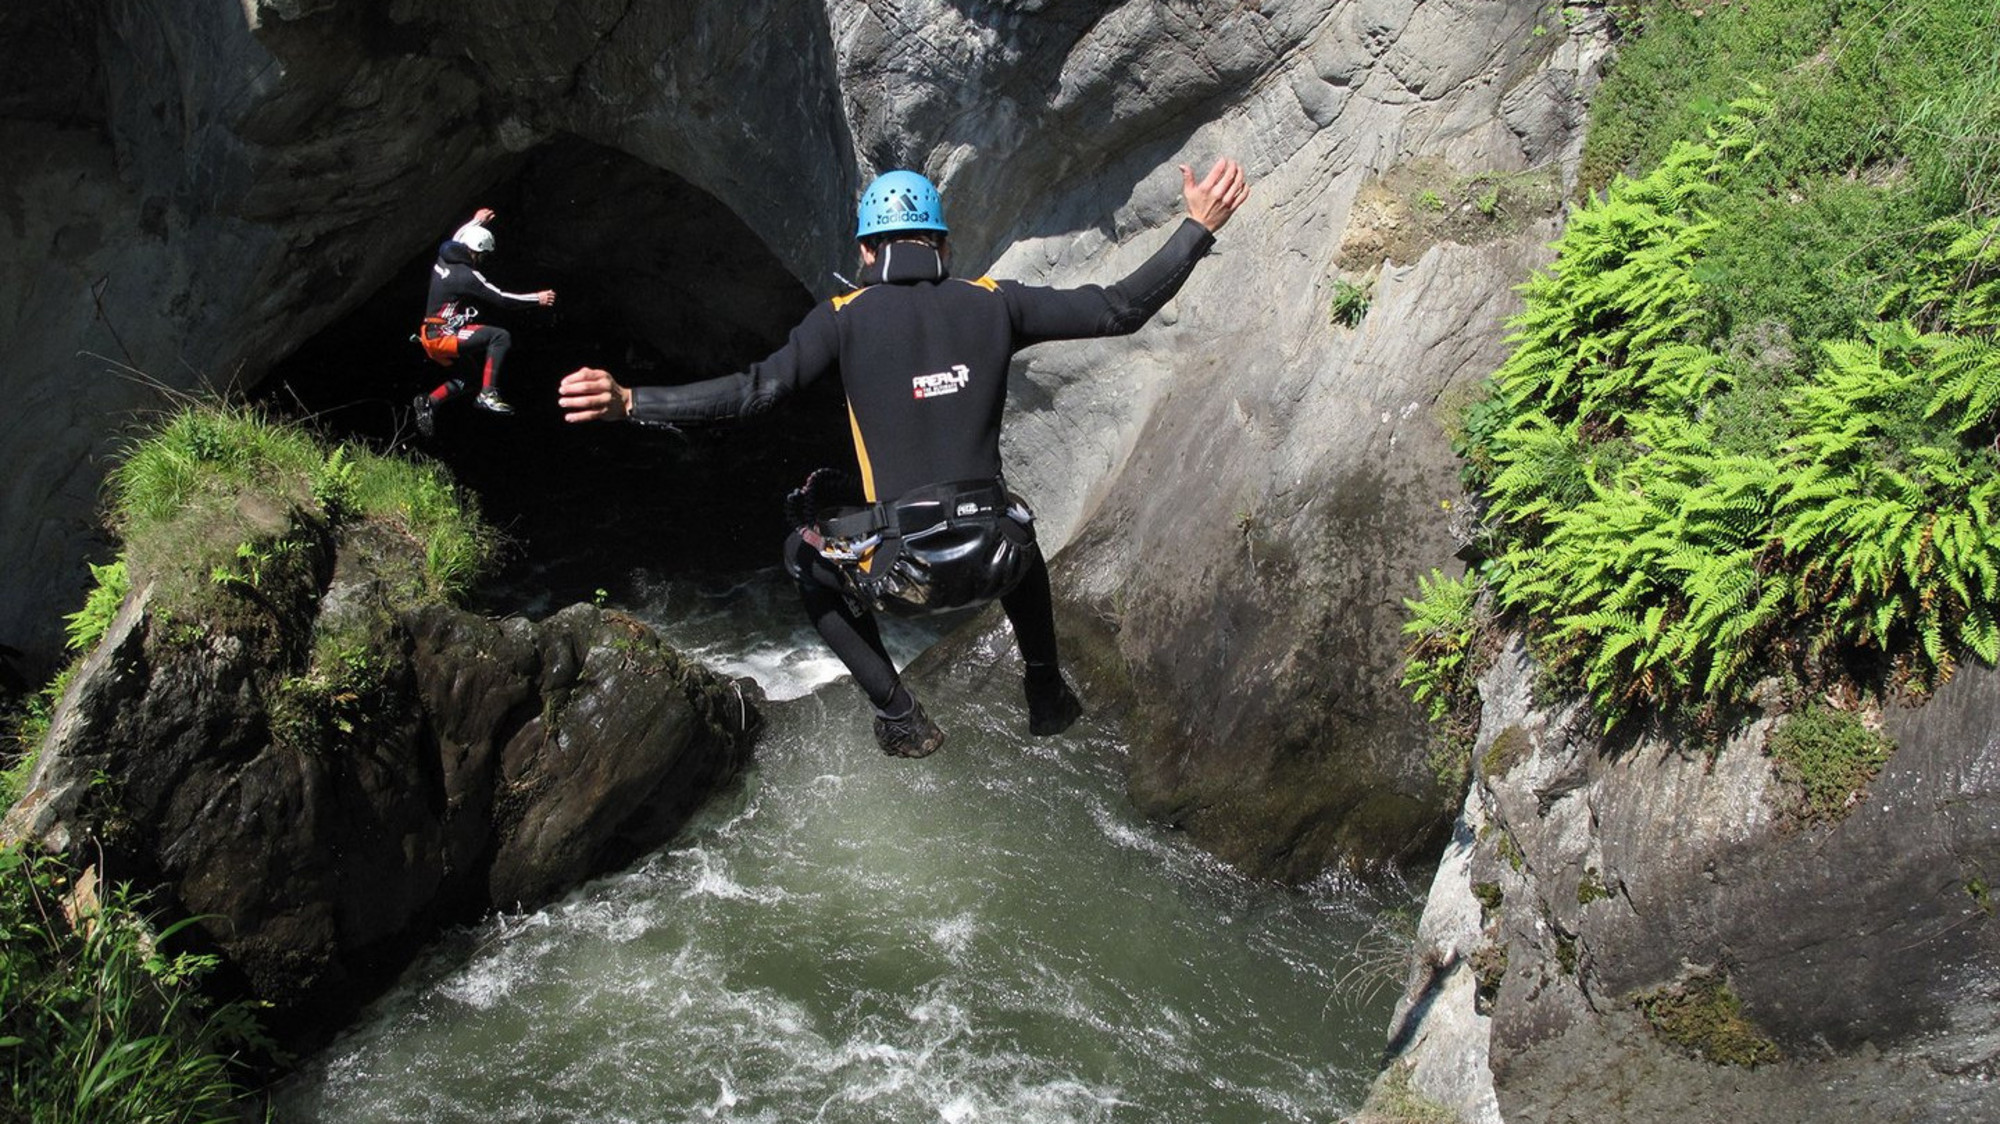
x=1095, y=310
x=496, y=293
x=812, y=351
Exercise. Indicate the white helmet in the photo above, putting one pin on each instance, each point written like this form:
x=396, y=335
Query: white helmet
x=475, y=237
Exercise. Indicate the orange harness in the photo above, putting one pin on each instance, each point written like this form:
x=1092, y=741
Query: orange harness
x=440, y=335
x=438, y=342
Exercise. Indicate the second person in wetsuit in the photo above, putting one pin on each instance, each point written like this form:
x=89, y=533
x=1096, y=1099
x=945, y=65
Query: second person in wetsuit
x=923, y=358
x=450, y=330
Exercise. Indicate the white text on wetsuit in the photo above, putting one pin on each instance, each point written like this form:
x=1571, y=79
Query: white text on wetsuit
x=943, y=382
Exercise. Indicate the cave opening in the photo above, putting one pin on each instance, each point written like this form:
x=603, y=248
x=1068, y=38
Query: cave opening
x=658, y=282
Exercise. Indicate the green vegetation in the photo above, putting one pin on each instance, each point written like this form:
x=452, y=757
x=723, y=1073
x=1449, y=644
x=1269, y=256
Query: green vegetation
x=1446, y=633
x=339, y=695
x=1414, y=206
x=1567, y=952
x=1393, y=1100
x=1510, y=747
x=1443, y=628
x=1489, y=970
x=195, y=470
x=1748, y=428
x=1489, y=896
x=1704, y=1017
x=99, y=1022
x=109, y=585
x=1350, y=302
x=1830, y=755
x=82, y=630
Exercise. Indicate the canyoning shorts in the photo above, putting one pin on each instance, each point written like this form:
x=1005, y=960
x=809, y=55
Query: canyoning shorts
x=938, y=548
x=440, y=340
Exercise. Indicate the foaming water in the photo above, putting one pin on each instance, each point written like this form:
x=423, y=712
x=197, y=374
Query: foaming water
x=989, y=934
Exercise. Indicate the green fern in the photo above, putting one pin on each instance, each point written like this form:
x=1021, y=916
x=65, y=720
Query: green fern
x=1657, y=569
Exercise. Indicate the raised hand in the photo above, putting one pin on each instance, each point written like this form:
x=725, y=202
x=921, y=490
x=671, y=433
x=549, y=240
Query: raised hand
x=1217, y=196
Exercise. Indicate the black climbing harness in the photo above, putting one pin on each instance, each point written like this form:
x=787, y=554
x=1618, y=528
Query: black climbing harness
x=937, y=548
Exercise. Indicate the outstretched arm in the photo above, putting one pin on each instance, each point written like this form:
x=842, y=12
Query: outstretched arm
x=589, y=394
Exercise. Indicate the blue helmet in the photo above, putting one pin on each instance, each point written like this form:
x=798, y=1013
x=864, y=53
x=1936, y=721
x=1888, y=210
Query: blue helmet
x=900, y=201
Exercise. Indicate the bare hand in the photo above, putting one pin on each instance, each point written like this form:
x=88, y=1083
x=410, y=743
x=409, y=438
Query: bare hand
x=588, y=394
x=1217, y=196
x=483, y=216
x=547, y=297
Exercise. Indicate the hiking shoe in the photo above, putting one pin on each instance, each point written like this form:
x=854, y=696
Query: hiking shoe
x=489, y=399
x=1052, y=706
x=912, y=735
x=426, y=411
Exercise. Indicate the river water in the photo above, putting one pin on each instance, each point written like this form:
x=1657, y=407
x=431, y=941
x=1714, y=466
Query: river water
x=988, y=934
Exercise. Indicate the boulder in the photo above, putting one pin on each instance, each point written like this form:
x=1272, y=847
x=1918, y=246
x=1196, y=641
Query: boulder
x=325, y=773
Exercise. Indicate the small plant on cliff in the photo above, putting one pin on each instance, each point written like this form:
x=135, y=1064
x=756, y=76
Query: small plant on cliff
x=334, y=485
x=1444, y=638
x=420, y=499
x=109, y=585
x=82, y=629
x=99, y=1021
x=1443, y=630
x=1830, y=755
x=1350, y=302
x=1394, y=1100
x=1704, y=1017
x=339, y=695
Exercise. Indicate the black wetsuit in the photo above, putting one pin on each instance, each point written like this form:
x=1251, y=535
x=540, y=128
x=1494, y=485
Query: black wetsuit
x=457, y=288
x=923, y=358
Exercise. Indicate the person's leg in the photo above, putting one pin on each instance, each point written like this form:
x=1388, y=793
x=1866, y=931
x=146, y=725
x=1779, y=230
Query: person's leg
x=493, y=343
x=497, y=340
x=901, y=726
x=1031, y=610
x=1030, y=606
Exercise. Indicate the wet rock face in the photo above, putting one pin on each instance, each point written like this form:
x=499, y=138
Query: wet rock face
x=1252, y=488
x=324, y=806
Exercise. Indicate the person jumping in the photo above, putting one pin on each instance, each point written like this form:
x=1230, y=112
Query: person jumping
x=930, y=525
x=451, y=331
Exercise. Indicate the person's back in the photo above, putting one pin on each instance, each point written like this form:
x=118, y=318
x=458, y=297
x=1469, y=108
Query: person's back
x=924, y=361
x=455, y=283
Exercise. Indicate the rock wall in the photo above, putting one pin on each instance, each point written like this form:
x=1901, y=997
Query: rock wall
x=1251, y=488
x=1589, y=879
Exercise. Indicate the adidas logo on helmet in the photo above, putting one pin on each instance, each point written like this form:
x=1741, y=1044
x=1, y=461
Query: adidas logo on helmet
x=899, y=201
